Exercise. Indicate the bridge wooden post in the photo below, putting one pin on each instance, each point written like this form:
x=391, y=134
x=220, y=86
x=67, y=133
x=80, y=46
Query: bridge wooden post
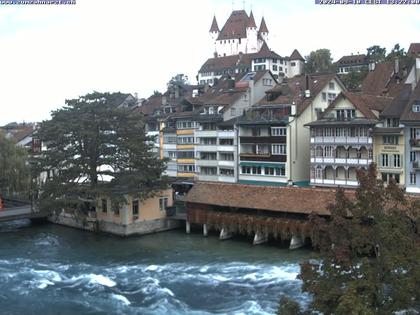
x=260, y=238
x=296, y=242
x=187, y=227
x=225, y=235
x=205, y=231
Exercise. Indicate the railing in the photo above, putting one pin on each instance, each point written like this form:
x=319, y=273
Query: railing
x=416, y=165
x=335, y=182
x=348, y=161
x=357, y=140
x=415, y=142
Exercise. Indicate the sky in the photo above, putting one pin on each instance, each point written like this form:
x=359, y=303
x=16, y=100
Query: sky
x=52, y=53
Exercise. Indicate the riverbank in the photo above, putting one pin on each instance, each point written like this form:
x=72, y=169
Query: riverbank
x=47, y=268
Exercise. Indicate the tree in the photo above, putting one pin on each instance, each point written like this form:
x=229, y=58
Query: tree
x=396, y=52
x=14, y=171
x=180, y=79
x=371, y=252
x=376, y=53
x=319, y=61
x=354, y=79
x=96, y=149
x=157, y=93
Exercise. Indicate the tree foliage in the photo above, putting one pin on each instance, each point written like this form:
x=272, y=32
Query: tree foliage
x=14, y=171
x=96, y=149
x=371, y=252
x=319, y=61
x=354, y=79
x=376, y=53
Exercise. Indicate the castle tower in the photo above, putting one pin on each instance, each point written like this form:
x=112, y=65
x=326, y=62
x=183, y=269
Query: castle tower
x=214, y=32
x=263, y=32
x=251, y=35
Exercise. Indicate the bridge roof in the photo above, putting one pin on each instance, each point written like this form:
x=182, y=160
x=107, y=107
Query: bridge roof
x=300, y=200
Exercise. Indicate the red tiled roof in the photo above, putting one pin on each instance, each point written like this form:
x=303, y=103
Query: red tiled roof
x=214, y=27
x=263, y=27
x=296, y=55
x=408, y=114
x=293, y=90
x=235, y=26
x=414, y=49
x=251, y=21
x=366, y=103
x=279, y=199
x=353, y=60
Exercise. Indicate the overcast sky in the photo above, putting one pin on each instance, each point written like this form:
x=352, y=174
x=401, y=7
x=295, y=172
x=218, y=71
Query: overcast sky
x=52, y=53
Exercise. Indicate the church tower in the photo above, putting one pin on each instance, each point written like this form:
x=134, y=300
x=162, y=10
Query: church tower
x=251, y=35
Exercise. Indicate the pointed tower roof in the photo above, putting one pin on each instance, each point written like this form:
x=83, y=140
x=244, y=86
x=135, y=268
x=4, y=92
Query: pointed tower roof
x=296, y=55
x=263, y=27
x=214, y=27
x=251, y=21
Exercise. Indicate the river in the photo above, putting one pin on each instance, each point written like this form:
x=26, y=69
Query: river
x=50, y=269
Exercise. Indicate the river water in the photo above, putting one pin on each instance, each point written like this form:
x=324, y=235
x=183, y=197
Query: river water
x=49, y=269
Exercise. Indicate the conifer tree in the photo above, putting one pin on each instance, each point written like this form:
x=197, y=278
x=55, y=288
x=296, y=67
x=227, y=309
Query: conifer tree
x=95, y=149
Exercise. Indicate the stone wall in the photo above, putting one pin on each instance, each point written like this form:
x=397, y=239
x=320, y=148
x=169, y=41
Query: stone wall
x=137, y=228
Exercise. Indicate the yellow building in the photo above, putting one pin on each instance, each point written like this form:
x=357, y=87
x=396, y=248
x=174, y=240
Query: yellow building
x=136, y=217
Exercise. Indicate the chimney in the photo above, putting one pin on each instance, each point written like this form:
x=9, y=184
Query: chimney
x=164, y=100
x=372, y=66
x=307, y=90
x=136, y=96
x=396, y=65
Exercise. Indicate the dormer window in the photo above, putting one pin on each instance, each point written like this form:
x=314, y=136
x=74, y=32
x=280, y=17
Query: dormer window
x=346, y=114
x=416, y=107
x=331, y=86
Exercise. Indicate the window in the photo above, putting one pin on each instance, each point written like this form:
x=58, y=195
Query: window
x=253, y=170
x=185, y=124
x=328, y=151
x=186, y=140
x=185, y=154
x=169, y=139
x=259, y=68
x=274, y=171
x=163, y=203
x=387, y=177
x=396, y=160
x=104, y=205
x=204, y=170
x=227, y=172
x=293, y=64
x=233, y=111
x=416, y=108
x=384, y=160
x=413, y=133
x=226, y=141
x=331, y=97
x=211, y=156
x=208, y=141
x=392, y=122
x=278, y=149
x=278, y=131
x=245, y=97
x=226, y=156
x=331, y=86
x=324, y=96
x=186, y=168
x=412, y=156
x=256, y=132
x=274, y=60
x=135, y=207
x=390, y=140
x=412, y=178
x=345, y=114
x=170, y=154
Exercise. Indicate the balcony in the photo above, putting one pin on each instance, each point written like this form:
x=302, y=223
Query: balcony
x=206, y=133
x=204, y=162
x=415, y=144
x=334, y=182
x=262, y=139
x=267, y=157
x=342, y=161
x=342, y=140
x=416, y=165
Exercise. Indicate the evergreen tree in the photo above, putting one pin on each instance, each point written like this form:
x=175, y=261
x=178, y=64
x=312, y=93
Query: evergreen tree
x=95, y=149
x=371, y=252
x=376, y=53
x=14, y=170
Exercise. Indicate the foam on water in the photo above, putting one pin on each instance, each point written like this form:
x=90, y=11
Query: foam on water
x=121, y=298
